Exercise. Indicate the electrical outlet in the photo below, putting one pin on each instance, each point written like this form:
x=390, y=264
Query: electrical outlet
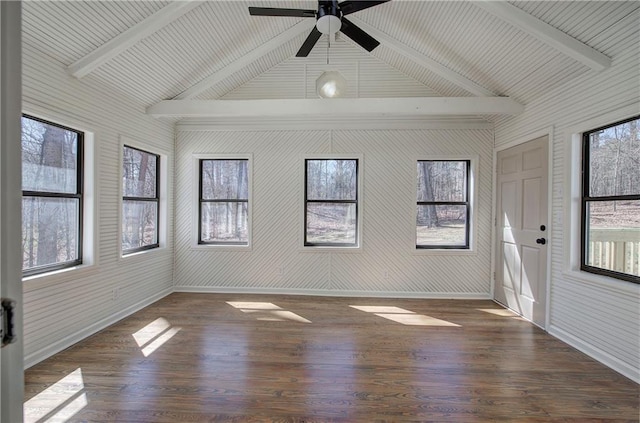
x=280, y=271
x=385, y=274
x=115, y=293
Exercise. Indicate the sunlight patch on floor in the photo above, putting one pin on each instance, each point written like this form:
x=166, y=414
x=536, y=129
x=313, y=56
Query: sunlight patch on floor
x=502, y=312
x=381, y=309
x=405, y=317
x=154, y=335
x=252, y=305
x=59, y=402
x=416, y=320
x=267, y=312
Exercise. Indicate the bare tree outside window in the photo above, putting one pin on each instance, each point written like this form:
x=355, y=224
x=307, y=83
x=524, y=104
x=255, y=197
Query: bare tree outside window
x=224, y=202
x=51, y=196
x=611, y=201
x=140, y=201
x=331, y=202
x=442, y=219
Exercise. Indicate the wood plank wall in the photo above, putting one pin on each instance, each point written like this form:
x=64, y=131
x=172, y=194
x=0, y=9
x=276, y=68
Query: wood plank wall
x=62, y=309
x=600, y=316
x=387, y=265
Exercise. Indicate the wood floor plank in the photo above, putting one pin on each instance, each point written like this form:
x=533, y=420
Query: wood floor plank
x=272, y=358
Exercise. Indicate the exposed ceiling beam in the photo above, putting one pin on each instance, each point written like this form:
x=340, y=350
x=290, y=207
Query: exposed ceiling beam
x=411, y=106
x=131, y=36
x=547, y=34
x=300, y=28
x=423, y=60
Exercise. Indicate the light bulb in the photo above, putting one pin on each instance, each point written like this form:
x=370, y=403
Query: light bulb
x=329, y=89
x=331, y=84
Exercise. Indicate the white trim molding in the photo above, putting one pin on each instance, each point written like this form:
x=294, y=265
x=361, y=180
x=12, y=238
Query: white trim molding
x=410, y=106
x=472, y=188
x=359, y=203
x=130, y=37
x=163, y=205
x=334, y=293
x=548, y=132
x=195, y=202
x=282, y=38
x=422, y=60
x=546, y=33
x=596, y=353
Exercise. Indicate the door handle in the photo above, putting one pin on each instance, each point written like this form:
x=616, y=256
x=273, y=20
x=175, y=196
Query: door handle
x=7, y=311
x=541, y=241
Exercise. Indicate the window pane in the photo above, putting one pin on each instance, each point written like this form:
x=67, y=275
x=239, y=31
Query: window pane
x=613, y=236
x=331, y=223
x=49, y=231
x=441, y=225
x=139, y=173
x=331, y=179
x=225, y=180
x=442, y=180
x=614, y=155
x=139, y=224
x=49, y=157
x=224, y=222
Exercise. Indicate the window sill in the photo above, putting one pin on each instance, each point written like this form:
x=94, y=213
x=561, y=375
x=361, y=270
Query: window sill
x=142, y=254
x=220, y=247
x=443, y=252
x=321, y=249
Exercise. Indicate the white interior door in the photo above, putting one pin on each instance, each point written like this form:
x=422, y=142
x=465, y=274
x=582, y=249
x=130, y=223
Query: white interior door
x=11, y=356
x=522, y=229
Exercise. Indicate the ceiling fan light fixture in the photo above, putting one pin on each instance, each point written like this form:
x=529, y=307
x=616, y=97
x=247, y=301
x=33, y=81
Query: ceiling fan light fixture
x=331, y=84
x=328, y=24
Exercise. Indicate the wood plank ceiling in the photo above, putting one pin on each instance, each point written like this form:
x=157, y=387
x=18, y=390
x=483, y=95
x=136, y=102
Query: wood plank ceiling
x=428, y=48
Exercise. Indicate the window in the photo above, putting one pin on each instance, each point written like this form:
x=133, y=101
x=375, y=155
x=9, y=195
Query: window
x=140, y=200
x=443, y=205
x=52, y=196
x=331, y=202
x=224, y=202
x=611, y=200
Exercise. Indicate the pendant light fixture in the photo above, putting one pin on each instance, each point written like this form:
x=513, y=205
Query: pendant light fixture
x=331, y=83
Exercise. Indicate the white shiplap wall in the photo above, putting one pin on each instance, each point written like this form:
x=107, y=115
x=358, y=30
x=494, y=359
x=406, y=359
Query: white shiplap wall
x=600, y=317
x=62, y=309
x=388, y=169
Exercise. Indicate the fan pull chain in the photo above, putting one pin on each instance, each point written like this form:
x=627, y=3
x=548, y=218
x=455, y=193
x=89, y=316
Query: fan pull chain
x=328, y=42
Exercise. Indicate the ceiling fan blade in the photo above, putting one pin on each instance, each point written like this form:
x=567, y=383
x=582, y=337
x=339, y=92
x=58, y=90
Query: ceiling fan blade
x=354, y=32
x=351, y=6
x=274, y=11
x=308, y=44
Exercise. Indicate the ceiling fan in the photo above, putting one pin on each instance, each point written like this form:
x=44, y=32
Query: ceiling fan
x=330, y=18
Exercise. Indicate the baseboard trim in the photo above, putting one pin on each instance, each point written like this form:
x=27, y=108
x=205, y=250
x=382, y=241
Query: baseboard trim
x=66, y=342
x=603, y=357
x=334, y=293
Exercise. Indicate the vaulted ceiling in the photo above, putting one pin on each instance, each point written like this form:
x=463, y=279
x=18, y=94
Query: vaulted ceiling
x=501, y=55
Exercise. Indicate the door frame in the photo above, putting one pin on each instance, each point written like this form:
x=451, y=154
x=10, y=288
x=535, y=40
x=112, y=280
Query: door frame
x=11, y=357
x=548, y=132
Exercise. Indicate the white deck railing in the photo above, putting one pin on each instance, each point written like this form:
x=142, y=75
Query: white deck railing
x=615, y=249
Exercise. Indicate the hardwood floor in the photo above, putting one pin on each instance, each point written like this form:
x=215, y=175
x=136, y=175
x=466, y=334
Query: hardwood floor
x=255, y=358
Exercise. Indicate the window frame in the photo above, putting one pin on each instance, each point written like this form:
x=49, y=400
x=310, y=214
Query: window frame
x=314, y=246
x=198, y=164
x=155, y=199
x=585, y=199
x=78, y=195
x=467, y=202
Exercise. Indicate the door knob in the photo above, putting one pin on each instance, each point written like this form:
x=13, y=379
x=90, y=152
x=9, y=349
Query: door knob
x=541, y=241
x=542, y=227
